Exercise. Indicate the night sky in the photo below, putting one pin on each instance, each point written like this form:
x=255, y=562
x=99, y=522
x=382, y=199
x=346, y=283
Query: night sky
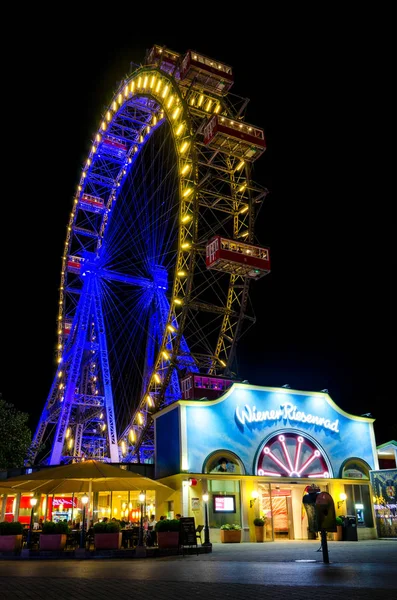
x=321, y=85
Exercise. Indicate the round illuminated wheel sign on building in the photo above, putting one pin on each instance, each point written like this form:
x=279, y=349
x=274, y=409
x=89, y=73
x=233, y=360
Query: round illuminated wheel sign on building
x=292, y=455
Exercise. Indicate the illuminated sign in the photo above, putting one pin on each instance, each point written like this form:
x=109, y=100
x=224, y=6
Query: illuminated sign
x=224, y=504
x=287, y=411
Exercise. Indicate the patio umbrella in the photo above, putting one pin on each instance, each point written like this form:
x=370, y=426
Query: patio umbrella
x=90, y=475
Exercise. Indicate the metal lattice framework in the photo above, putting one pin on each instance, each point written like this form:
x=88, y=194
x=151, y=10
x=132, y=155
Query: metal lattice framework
x=151, y=194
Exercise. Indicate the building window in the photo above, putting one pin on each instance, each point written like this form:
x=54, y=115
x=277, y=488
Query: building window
x=358, y=503
x=223, y=462
x=355, y=468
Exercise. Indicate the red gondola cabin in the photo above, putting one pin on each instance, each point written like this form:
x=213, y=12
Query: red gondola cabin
x=235, y=137
x=239, y=258
x=195, y=386
x=206, y=73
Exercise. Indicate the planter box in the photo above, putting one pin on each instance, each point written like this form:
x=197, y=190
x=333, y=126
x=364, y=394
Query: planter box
x=10, y=543
x=230, y=536
x=168, y=539
x=107, y=541
x=52, y=541
x=259, y=533
x=338, y=535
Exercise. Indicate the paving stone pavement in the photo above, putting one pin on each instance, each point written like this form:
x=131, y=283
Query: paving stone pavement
x=357, y=570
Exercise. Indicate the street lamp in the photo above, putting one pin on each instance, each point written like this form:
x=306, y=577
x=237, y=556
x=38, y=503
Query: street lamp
x=206, y=528
x=84, y=500
x=142, y=497
x=33, y=502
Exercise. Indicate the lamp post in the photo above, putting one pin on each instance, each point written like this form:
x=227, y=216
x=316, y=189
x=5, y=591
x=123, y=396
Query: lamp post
x=84, y=500
x=141, y=500
x=206, y=528
x=33, y=502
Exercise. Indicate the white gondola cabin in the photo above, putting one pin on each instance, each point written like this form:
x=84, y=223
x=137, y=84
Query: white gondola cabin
x=234, y=137
x=206, y=73
x=239, y=258
x=195, y=386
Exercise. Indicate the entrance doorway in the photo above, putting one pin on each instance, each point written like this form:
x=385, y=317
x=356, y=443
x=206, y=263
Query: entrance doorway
x=281, y=504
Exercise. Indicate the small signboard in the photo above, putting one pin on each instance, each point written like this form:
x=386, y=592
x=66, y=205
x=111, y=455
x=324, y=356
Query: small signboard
x=187, y=531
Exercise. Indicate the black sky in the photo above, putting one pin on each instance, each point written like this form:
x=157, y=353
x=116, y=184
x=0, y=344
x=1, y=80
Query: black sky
x=322, y=85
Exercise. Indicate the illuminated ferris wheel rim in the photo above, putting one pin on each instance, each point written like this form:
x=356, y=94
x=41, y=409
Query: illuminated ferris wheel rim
x=152, y=83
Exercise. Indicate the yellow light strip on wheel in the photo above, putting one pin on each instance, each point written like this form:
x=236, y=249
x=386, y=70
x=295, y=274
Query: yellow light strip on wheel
x=171, y=328
x=156, y=377
x=185, y=169
x=166, y=355
x=184, y=147
x=180, y=129
x=108, y=115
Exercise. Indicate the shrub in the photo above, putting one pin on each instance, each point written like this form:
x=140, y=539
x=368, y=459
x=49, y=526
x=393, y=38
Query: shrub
x=260, y=521
x=109, y=527
x=50, y=527
x=232, y=526
x=168, y=525
x=13, y=528
x=339, y=521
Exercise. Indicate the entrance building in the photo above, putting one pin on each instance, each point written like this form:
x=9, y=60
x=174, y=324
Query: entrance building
x=255, y=450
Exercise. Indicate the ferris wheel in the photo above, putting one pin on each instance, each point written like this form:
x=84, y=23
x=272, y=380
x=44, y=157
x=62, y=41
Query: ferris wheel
x=158, y=258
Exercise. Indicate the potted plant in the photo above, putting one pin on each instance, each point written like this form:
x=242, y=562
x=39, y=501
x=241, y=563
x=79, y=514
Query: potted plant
x=339, y=533
x=53, y=535
x=259, y=523
x=168, y=533
x=107, y=536
x=10, y=536
x=230, y=534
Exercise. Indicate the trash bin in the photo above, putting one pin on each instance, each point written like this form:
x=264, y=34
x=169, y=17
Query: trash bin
x=349, y=530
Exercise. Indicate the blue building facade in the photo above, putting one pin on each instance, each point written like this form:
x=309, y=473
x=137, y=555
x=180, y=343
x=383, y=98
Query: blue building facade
x=262, y=447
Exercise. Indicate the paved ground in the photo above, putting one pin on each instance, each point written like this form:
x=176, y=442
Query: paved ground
x=279, y=570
